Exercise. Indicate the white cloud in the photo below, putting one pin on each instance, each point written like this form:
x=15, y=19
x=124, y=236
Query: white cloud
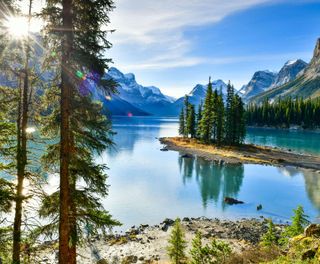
x=157, y=28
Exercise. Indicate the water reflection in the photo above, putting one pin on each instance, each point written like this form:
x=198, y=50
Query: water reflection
x=312, y=182
x=215, y=182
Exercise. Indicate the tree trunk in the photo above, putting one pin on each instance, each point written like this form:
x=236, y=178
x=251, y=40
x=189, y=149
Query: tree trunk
x=66, y=91
x=22, y=124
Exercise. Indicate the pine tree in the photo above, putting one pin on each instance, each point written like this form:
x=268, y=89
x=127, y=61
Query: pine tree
x=269, y=238
x=299, y=222
x=191, y=121
x=205, y=127
x=220, y=119
x=79, y=42
x=197, y=253
x=199, y=116
x=229, y=123
x=18, y=64
x=177, y=244
x=182, y=123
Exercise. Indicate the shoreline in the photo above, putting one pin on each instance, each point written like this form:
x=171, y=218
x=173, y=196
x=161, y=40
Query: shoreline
x=244, y=154
x=147, y=244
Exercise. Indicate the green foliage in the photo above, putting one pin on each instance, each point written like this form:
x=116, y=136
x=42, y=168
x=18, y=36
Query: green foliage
x=215, y=122
x=299, y=222
x=196, y=252
x=285, y=112
x=206, y=122
x=191, y=121
x=269, y=238
x=182, y=126
x=177, y=244
x=214, y=253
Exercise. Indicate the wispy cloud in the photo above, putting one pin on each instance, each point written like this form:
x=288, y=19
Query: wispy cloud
x=166, y=63
x=157, y=28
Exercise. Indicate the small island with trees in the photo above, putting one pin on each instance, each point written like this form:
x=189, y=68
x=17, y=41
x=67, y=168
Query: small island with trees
x=216, y=131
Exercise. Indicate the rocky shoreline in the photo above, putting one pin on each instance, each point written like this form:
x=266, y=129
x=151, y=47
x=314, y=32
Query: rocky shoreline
x=147, y=244
x=245, y=154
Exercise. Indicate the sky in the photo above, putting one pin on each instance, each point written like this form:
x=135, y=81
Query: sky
x=176, y=44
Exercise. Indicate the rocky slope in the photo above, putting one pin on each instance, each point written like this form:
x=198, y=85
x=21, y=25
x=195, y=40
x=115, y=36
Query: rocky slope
x=263, y=81
x=306, y=85
x=147, y=99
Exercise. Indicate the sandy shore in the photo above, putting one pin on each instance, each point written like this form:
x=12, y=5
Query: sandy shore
x=147, y=244
x=242, y=154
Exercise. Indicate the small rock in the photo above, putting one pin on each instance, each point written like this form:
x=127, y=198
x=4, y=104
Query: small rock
x=164, y=149
x=259, y=207
x=231, y=201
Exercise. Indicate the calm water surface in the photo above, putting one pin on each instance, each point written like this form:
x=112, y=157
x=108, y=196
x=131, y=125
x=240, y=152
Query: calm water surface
x=148, y=185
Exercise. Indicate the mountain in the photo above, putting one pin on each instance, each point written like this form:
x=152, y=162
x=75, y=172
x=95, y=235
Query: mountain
x=148, y=99
x=118, y=106
x=260, y=82
x=289, y=72
x=263, y=81
x=197, y=95
x=306, y=85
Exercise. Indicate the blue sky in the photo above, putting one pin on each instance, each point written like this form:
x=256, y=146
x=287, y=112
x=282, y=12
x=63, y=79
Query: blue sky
x=177, y=44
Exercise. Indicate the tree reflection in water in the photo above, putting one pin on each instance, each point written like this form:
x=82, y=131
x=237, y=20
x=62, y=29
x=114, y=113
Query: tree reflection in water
x=215, y=182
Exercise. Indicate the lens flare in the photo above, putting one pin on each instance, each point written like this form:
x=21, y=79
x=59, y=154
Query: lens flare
x=17, y=26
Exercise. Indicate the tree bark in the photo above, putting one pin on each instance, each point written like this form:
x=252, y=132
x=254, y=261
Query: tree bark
x=65, y=105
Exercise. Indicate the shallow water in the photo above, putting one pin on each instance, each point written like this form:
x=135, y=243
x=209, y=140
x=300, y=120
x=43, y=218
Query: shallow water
x=148, y=185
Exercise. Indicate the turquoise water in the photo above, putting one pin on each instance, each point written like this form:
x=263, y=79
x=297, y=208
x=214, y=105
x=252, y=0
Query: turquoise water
x=298, y=141
x=148, y=185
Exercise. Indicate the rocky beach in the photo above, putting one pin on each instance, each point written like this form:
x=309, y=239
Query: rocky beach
x=147, y=244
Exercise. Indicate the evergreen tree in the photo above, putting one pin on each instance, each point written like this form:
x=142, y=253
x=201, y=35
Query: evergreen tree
x=215, y=98
x=177, y=244
x=198, y=119
x=191, y=121
x=182, y=123
x=197, y=253
x=269, y=238
x=78, y=41
x=229, y=123
x=19, y=68
x=299, y=222
x=220, y=119
x=205, y=126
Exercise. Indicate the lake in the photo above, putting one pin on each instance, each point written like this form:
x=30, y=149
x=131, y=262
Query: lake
x=148, y=185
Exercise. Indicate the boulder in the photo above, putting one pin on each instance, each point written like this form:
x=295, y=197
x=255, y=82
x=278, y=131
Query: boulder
x=231, y=201
x=312, y=230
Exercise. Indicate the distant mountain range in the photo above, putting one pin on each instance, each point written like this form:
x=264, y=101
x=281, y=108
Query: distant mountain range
x=135, y=99
x=306, y=84
x=263, y=81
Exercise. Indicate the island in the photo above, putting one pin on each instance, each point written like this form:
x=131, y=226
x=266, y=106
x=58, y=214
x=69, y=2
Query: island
x=244, y=153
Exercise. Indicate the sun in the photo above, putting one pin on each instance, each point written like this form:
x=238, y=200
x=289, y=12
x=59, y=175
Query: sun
x=17, y=26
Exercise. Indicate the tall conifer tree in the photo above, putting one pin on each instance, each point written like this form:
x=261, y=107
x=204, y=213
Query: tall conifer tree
x=205, y=126
x=75, y=35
